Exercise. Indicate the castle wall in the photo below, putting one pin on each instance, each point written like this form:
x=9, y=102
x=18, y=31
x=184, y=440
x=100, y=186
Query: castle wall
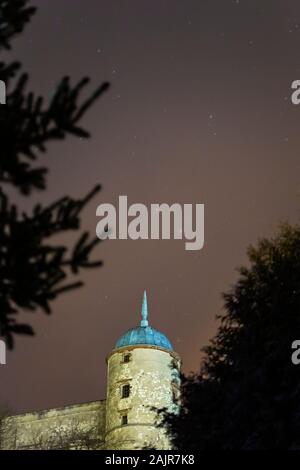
x=72, y=427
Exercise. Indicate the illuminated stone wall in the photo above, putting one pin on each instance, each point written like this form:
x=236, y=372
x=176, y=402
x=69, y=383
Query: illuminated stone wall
x=72, y=427
x=153, y=382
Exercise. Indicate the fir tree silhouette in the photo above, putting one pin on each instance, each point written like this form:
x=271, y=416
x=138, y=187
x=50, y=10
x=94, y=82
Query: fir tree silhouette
x=33, y=271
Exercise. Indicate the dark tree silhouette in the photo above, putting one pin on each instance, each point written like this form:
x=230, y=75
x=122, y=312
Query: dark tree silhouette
x=34, y=271
x=247, y=394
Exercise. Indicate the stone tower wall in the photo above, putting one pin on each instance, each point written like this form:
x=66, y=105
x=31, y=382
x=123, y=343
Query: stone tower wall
x=153, y=383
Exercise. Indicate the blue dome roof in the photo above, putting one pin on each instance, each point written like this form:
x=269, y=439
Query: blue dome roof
x=144, y=334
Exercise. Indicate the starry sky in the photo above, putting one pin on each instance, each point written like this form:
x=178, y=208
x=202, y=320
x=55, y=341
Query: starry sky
x=199, y=112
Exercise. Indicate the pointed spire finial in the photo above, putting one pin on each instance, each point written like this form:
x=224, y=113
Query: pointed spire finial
x=144, y=321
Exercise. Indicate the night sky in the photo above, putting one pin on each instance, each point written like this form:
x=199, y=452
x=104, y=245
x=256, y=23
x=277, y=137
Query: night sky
x=199, y=112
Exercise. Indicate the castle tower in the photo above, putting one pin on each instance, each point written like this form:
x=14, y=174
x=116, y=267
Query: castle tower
x=143, y=374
